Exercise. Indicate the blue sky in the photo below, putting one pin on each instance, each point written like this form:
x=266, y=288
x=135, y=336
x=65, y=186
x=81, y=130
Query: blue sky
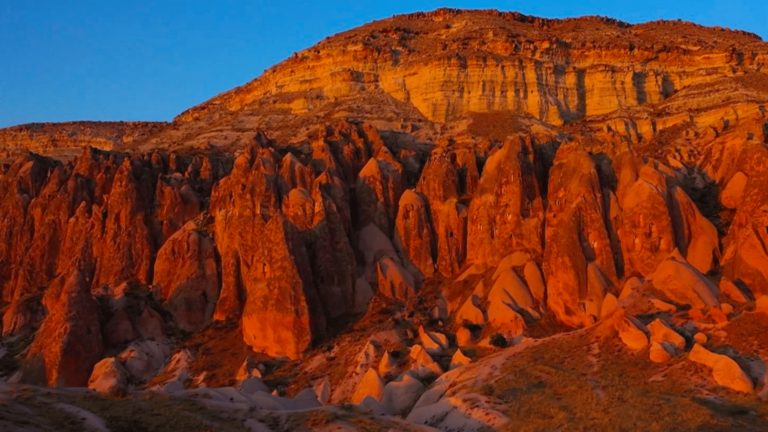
x=149, y=60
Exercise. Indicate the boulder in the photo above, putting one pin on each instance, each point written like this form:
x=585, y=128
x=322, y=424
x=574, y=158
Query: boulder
x=725, y=370
x=660, y=352
x=108, y=376
x=400, y=395
x=150, y=324
x=421, y=362
x=683, y=284
x=322, y=390
x=119, y=329
x=631, y=331
x=459, y=360
x=535, y=281
x=394, y=281
x=433, y=342
x=370, y=386
x=144, y=359
x=663, y=333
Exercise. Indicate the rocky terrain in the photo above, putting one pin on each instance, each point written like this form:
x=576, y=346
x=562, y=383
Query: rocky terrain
x=454, y=220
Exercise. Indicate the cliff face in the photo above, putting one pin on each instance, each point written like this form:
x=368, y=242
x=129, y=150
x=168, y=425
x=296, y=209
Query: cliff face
x=48, y=138
x=463, y=178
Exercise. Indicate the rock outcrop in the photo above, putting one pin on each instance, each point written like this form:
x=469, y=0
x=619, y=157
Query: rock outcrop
x=68, y=343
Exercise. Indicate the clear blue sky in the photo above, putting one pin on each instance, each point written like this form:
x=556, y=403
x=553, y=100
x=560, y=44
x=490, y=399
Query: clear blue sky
x=149, y=60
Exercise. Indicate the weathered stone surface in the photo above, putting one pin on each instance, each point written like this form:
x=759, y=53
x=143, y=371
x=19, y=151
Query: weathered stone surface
x=631, y=332
x=126, y=247
x=241, y=203
x=176, y=203
x=414, y=238
x=371, y=386
x=378, y=190
x=394, y=281
x=506, y=212
x=282, y=314
x=683, y=284
x=439, y=184
x=68, y=343
x=186, y=271
x=400, y=395
x=725, y=370
x=576, y=235
x=662, y=333
x=108, y=376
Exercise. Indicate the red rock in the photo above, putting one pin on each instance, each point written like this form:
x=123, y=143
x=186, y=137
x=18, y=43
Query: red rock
x=150, y=324
x=68, y=343
x=576, y=235
x=334, y=268
x=394, y=281
x=119, y=329
x=282, y=315
x=413, y=237
x=439, y=184
x=186, y=271
x=125, y=249
x=506, y=212
x=294, y=174
x=240, y=205
x=725, y=370
x=696, y=235
x=176, y=203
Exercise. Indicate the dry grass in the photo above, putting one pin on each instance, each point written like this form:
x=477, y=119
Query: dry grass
x=567, y=384
x=219, y=352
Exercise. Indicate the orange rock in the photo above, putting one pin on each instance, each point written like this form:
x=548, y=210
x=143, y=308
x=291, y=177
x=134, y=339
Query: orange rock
x=439, y=184
x=413, y=235
x=394, y=281
x=506, y=212
x=575, y=235
x=282, y=315
x=68, y=343
x=725, y=370
x=683, y=284
x=126, y=245
x=631, y=331
x=240, y=204
x=294, y=175
x=470, y=312
x=717, y=315
x=378, y=192
x=108, y=376
x=371, y=386
x=459, y=359
x=186, y=271
x=176, y=203
x=662, y=333
x=732, y=291
x=696, y=236
x=535, y=281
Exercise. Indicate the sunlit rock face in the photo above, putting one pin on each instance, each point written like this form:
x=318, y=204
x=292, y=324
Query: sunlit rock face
x=385, y=209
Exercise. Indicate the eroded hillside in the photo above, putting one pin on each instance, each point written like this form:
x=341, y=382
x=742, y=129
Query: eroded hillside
x=456, y=220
